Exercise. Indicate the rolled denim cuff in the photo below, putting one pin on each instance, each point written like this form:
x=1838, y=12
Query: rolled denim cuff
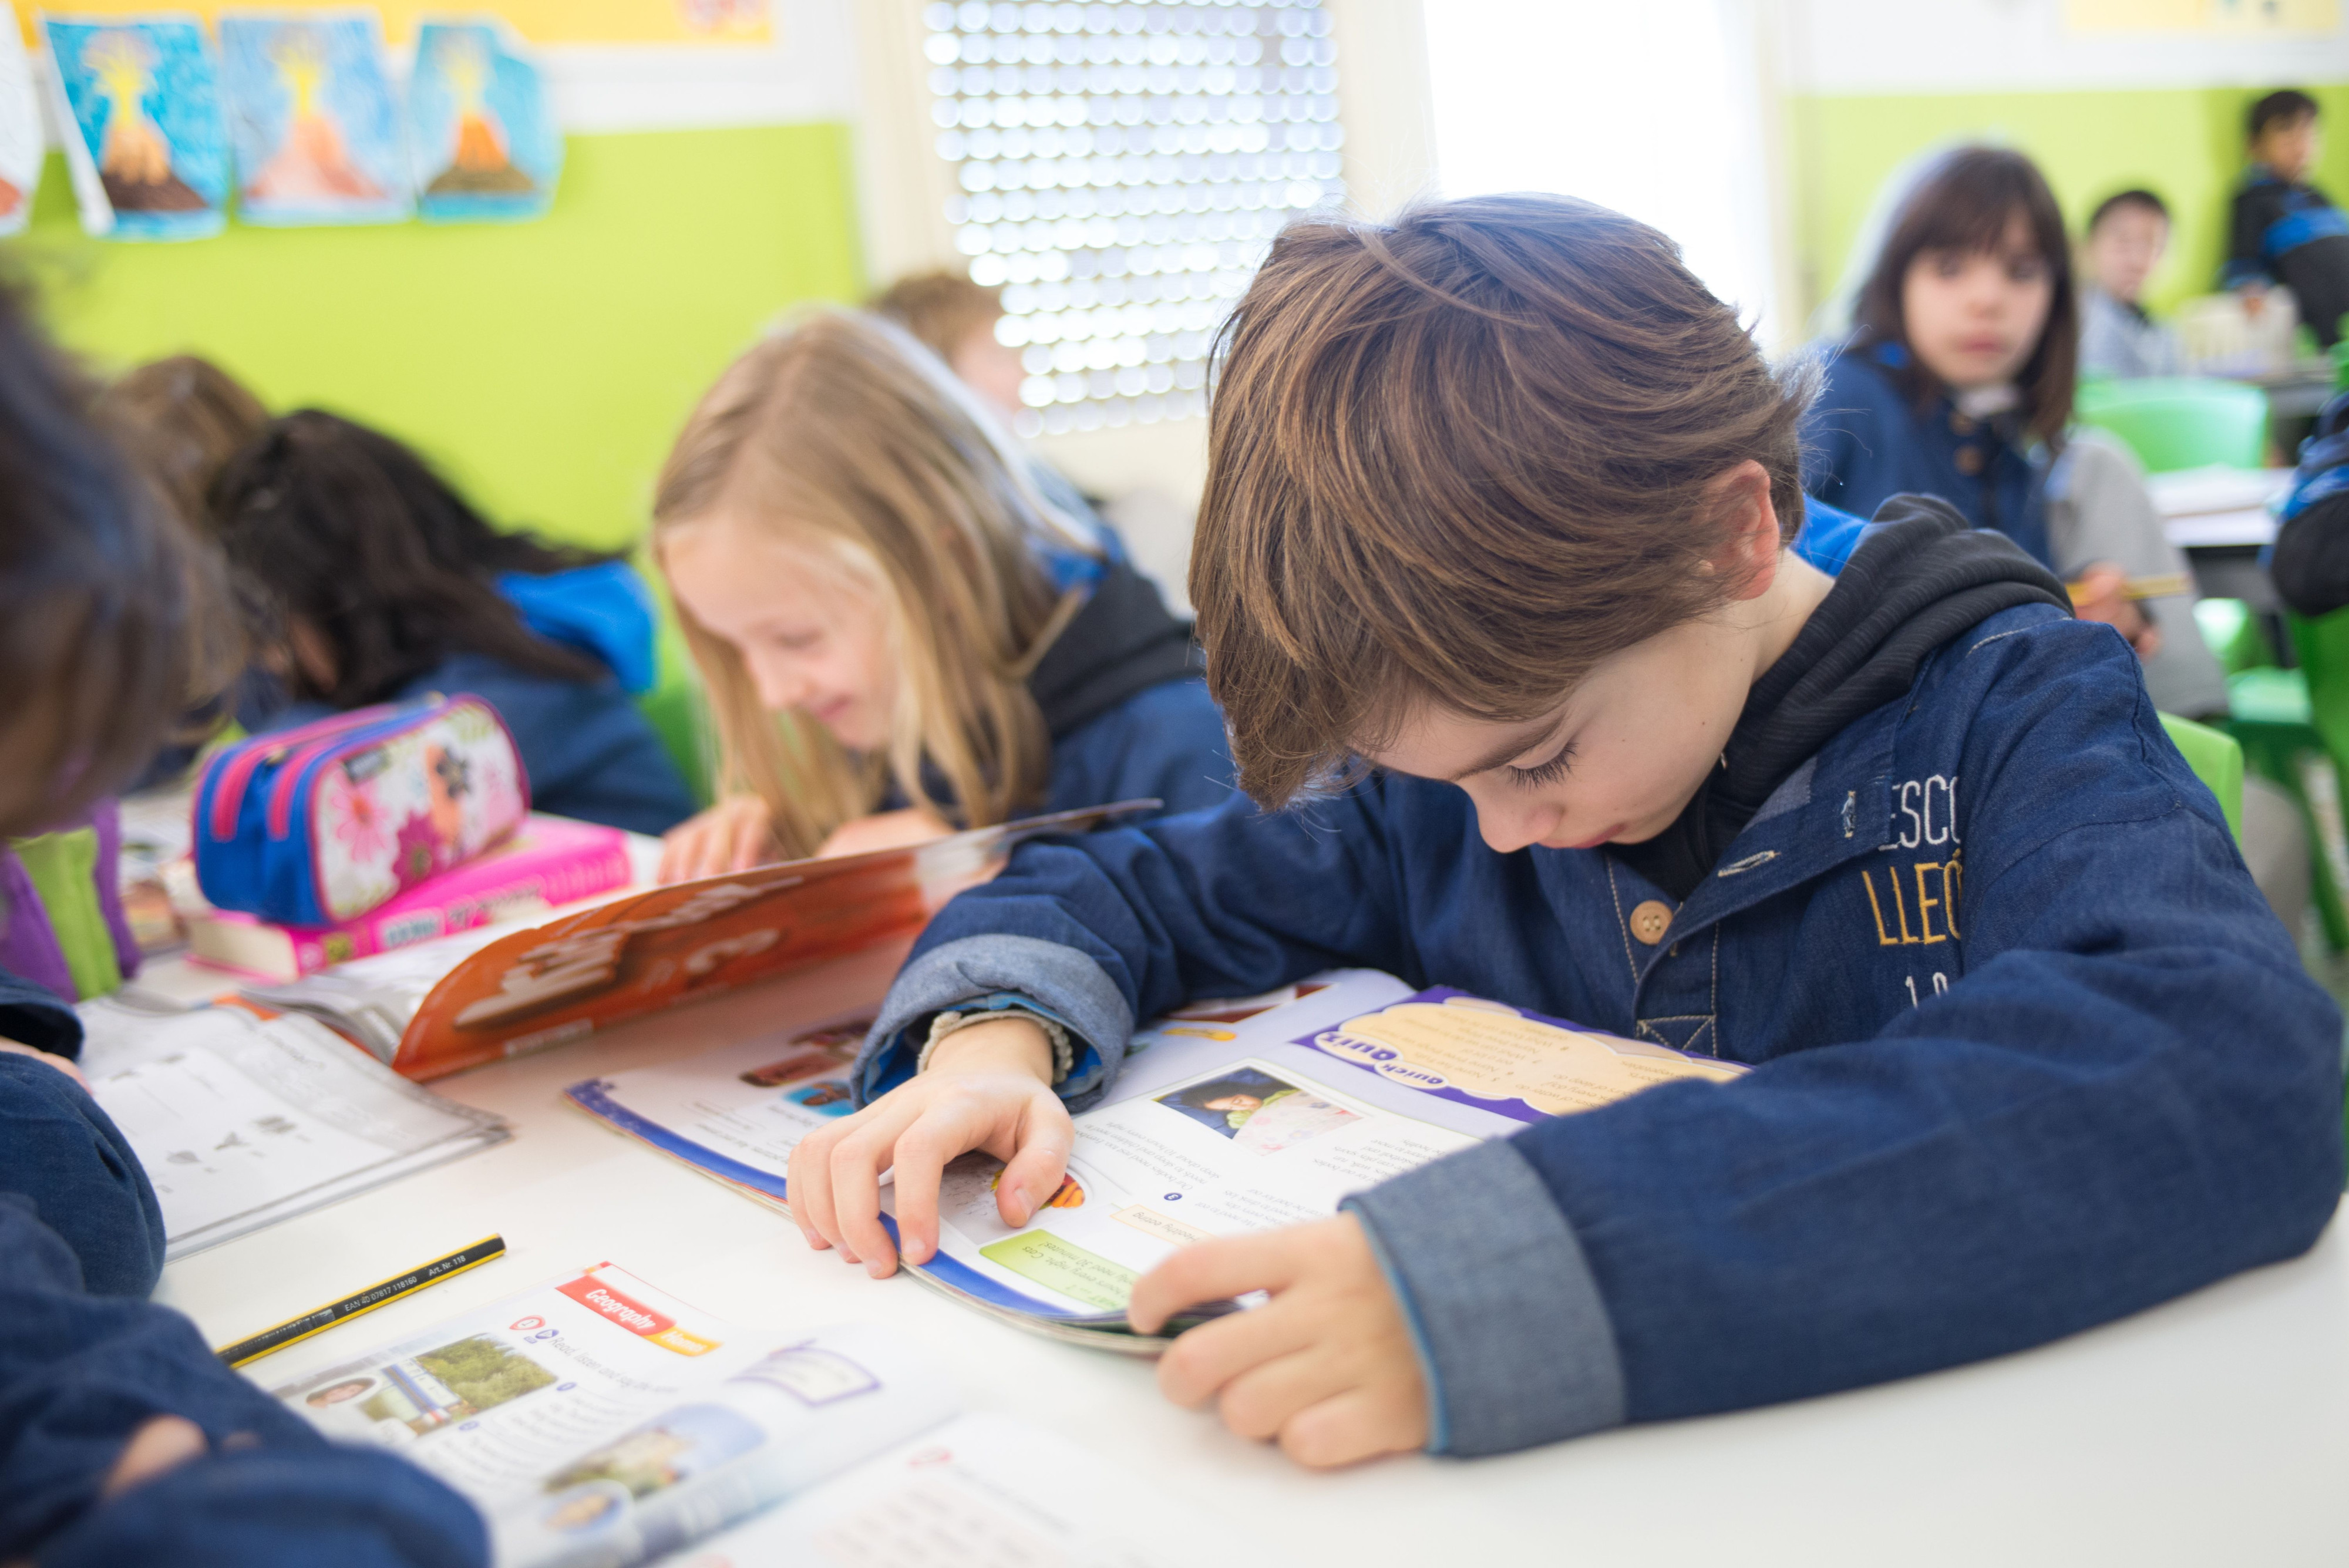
x=1060, y=983
x=1512, y=1336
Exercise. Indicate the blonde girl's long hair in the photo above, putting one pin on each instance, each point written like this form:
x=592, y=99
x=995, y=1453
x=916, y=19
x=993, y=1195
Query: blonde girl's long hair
x=845, y=433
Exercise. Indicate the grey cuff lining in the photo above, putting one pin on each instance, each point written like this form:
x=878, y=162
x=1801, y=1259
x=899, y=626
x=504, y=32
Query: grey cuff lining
x=1064, y=982
x=1513, y=1334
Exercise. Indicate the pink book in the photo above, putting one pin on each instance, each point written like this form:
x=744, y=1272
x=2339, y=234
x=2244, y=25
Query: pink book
x=548, y=862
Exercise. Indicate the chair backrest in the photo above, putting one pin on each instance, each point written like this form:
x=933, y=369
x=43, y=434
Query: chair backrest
x=2322, y=643
x=2175, y=422
x=2217, y=760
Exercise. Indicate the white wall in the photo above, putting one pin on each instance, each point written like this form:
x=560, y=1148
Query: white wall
x=1971, y=46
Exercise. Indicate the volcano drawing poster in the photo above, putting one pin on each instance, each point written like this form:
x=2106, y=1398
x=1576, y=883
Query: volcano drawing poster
x=480, y=128
x=312, y=117
x=20, y=131
x=138, y=97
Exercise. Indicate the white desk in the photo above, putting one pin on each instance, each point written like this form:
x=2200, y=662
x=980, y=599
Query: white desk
x=2213, y=1430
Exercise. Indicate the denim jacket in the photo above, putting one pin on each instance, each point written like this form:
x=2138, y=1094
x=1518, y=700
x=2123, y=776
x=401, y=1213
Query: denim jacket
x=1865, y=440
x=2031, y=1052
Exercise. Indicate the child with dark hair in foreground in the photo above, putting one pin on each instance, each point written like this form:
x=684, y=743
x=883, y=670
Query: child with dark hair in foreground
x=122, y=1438
x=1507, y=590
x=385, y=585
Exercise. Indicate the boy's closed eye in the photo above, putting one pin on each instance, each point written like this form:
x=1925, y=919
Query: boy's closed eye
x=1534, y=775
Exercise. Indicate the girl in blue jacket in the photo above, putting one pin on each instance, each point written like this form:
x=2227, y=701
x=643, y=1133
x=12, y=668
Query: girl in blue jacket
x=901, y=630
x=122, y=1438
x=373, y=581
x=1957, y=377
x=1500, y=586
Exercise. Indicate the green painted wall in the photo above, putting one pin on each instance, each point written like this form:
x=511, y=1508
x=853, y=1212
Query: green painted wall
x=2186, y=144
x=545, y=366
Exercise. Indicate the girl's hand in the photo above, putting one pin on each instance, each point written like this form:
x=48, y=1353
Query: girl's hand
x=990, y=1088
x=59, y=1062
x=1326, y=1366
x=884, y=830
x=735, y=834
x=2102, y=595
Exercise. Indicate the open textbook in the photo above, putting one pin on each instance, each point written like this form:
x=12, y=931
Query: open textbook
x=1221, y=1122
x=242, y=1121
x=501, y=990
x=597, y=1422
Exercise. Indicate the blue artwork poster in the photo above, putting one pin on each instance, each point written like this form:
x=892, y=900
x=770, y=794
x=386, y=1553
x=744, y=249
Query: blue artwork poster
x=312, y=117
x=146, y=144
x=480, y=127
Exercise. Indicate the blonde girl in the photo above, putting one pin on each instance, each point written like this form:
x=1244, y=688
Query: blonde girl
x=899, y=634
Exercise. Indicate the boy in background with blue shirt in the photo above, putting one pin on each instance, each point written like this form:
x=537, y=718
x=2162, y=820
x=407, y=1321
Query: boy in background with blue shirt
x=2286, y=232
x=1499, y=584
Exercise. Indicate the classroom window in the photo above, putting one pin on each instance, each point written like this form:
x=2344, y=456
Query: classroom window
x=1124, y=166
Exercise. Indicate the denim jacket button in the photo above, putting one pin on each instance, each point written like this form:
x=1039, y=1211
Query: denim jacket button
x=1650, y=920
x=1970, y=460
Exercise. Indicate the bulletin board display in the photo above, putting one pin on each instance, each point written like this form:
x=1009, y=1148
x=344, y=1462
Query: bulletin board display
x=705, y=21
x=2227, y=16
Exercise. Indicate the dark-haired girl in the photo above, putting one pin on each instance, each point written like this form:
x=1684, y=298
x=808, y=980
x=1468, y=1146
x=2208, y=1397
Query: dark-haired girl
x=1957, y=379
x=380, y=584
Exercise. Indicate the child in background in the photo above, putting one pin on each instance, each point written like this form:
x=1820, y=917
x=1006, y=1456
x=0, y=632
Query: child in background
x=2286, y=232
x=2127, y=233
x=955, y=319
x=381, y=585
x=180, y=419
x=1493, y=569
x=898, y=631
x=122, y=1438
x=1957, y=379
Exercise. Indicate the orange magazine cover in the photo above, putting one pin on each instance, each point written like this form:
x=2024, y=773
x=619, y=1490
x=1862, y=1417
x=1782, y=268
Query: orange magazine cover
x=673, y=945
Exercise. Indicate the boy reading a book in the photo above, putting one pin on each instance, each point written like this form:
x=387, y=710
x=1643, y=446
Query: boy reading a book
x=1501, y=588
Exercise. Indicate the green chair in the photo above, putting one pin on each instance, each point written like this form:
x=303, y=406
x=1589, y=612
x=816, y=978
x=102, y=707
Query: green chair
x=2217, y=760
x=2275, y=722
x=2178, y=422
x=2234, y=634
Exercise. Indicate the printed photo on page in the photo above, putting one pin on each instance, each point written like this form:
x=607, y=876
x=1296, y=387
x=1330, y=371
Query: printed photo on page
x=1247, y=1146
x=597, y=1422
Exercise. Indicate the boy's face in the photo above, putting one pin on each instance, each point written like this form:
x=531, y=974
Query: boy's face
x=1614, y=764
x=2291, y=148
x=2125, y=248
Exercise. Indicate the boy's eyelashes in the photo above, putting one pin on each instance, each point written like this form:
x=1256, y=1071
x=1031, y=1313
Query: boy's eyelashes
x=1540, y=774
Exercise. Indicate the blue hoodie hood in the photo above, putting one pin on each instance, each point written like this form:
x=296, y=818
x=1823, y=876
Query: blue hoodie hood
x=604, y=610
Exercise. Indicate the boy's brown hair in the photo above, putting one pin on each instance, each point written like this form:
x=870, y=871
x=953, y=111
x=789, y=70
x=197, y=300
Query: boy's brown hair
x=941, y=309
x=1461, y=459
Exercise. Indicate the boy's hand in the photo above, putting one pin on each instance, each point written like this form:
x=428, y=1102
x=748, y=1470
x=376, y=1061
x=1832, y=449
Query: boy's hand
x=735, y=834
x=59, y=1062
x=989, y=1087
x=1326, y=1366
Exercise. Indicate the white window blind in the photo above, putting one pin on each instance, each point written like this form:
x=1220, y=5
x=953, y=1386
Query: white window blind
x=1122, y=165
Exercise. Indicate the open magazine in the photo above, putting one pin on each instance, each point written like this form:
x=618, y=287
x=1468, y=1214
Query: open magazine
x=1218, y=1123
x=242, y=1121
x=501, y=990
x=596, y=1422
